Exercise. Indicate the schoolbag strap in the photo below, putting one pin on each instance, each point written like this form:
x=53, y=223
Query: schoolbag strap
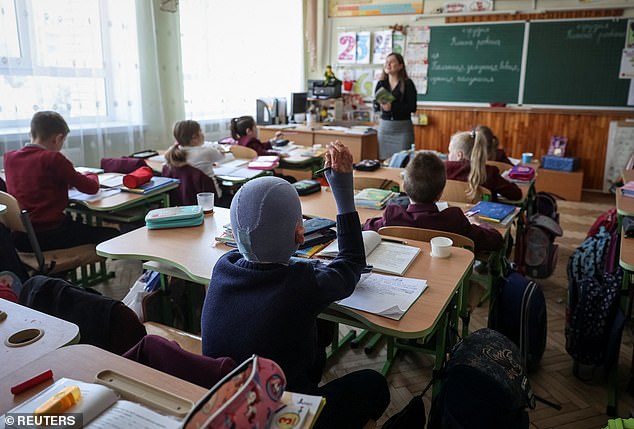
x=547, y=402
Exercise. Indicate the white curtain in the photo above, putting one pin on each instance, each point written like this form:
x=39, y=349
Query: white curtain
x=236, y=51
x=81, y=59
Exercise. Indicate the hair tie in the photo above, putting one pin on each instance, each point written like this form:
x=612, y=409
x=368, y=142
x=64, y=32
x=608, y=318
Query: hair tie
x=472, y=134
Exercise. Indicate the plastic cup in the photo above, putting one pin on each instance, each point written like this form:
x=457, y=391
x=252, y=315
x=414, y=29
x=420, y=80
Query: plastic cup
x=206, y=201
x=527, y=157
x=441, y=247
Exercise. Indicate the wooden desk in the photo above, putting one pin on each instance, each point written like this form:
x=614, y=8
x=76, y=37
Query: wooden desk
x=57, y=333
x=192, y=250
x=624, y=205
x=83, y=362
x=628, y=176
x=362, y=146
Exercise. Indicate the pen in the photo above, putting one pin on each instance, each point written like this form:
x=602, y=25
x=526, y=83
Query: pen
x=40, y=378
x=472, y=213
x=393, y=240
x=367, y=269
x=321, y=170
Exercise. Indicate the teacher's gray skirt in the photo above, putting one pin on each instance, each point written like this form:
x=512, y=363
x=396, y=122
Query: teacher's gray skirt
x=394, y=136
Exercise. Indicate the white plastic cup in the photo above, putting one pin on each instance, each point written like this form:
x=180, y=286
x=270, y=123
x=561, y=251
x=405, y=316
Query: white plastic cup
x=206, y=201
x=527, y=157
x=441, y=247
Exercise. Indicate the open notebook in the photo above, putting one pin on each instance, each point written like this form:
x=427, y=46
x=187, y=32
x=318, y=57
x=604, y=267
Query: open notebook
x=386, y=296
x=384, y=256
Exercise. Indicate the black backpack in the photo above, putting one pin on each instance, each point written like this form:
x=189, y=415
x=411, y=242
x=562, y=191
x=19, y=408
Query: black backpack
x=484, y=386
x=519, y=312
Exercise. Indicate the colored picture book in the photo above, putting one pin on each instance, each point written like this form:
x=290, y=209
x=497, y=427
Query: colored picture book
x=494, y=212
x=373, y=198
x=384, y=96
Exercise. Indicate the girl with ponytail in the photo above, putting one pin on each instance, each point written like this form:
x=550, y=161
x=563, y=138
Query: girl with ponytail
x=467, y=162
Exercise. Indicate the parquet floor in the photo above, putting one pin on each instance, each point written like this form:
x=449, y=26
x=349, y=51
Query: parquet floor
x=583, y=403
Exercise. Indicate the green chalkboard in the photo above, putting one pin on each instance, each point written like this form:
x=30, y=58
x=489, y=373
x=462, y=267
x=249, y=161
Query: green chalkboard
x=576, y=63
x=475, y=63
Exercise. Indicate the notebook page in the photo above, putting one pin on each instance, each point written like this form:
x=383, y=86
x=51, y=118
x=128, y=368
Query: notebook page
x=392, y=258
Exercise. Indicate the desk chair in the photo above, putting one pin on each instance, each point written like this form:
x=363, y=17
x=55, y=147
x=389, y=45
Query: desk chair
x=456, y=190
x=52, y=262
x=243, y=152
x=375, y=182
x=502, y=166
x=192, y=181
x=422, y=234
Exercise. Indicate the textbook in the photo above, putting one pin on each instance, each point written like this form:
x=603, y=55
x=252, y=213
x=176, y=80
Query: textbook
x=99, y=406
x=373, y=198
x=300, y=411
x=494, y=212
x=384, y=96
x=384, y=256
x=156, y=183
x=386, y=296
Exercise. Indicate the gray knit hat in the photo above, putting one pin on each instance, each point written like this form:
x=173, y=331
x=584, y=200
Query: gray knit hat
x=264, y=215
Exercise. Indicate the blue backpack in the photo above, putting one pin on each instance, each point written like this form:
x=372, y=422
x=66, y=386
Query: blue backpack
x=594, y=322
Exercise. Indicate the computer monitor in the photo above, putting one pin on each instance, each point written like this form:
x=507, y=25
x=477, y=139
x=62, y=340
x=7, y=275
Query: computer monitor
x=298, y=103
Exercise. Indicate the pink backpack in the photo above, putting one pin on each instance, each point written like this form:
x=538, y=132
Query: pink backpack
x=247, y=397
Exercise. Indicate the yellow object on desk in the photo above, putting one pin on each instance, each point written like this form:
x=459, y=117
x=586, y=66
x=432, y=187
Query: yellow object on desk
x=60, y=402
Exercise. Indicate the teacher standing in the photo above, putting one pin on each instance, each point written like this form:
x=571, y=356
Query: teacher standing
x=396, y=131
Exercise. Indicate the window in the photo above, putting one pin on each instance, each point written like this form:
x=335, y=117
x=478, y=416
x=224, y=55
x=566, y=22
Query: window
x=77, y=57
x=235, y=52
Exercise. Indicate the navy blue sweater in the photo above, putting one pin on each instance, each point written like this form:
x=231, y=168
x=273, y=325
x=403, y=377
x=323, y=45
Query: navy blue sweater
x=271, y=309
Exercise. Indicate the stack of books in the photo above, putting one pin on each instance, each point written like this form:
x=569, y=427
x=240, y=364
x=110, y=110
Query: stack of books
x=226, y=236
x=373, y=198
x=628, y=189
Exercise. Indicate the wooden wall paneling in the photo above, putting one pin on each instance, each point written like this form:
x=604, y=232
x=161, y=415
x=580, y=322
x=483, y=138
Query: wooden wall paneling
x=528, y=131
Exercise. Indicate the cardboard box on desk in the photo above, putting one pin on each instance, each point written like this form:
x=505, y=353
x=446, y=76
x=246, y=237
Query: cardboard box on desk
x=560, y=163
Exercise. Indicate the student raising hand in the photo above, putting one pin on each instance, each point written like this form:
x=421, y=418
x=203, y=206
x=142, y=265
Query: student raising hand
x=339, y=157
x=339, y=176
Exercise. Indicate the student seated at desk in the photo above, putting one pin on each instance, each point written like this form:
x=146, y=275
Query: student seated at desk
x=191, y=148
x=467, y=162
x=245, y=131
x=494, y=151
x=424, y=181
x=39, y=176
x=260, y=300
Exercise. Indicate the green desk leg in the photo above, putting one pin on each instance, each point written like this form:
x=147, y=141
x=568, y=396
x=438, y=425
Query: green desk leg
x=337, y=344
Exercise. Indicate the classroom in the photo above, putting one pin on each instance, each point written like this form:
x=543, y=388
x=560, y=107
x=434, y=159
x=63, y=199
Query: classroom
x=145, y=145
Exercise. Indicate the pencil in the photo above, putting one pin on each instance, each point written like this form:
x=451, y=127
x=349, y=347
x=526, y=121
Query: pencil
x=321, y=170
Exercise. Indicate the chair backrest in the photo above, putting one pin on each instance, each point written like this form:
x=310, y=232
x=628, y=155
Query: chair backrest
x=374, y=182
x=502, y=166
x=456, y=190
x=422, y=234
x=103, y=322
x=122, y=165
x=12, y=218
x=192, y=181
x=243, y=152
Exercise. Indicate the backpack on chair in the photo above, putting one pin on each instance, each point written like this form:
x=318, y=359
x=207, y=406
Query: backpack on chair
x=540, y=257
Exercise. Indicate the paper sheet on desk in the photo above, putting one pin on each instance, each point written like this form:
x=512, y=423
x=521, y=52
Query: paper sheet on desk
x=387, y=296
x=74, y=194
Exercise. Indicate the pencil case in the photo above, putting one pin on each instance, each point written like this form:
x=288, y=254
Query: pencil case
x=174, y=217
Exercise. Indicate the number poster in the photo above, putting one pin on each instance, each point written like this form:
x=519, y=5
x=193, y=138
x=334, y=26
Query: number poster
x=347, y=47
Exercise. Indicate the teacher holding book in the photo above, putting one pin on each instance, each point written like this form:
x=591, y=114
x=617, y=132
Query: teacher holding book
x=395, y=98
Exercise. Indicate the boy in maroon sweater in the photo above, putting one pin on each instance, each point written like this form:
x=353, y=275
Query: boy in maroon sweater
x=425, y=179
x=39, y=176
